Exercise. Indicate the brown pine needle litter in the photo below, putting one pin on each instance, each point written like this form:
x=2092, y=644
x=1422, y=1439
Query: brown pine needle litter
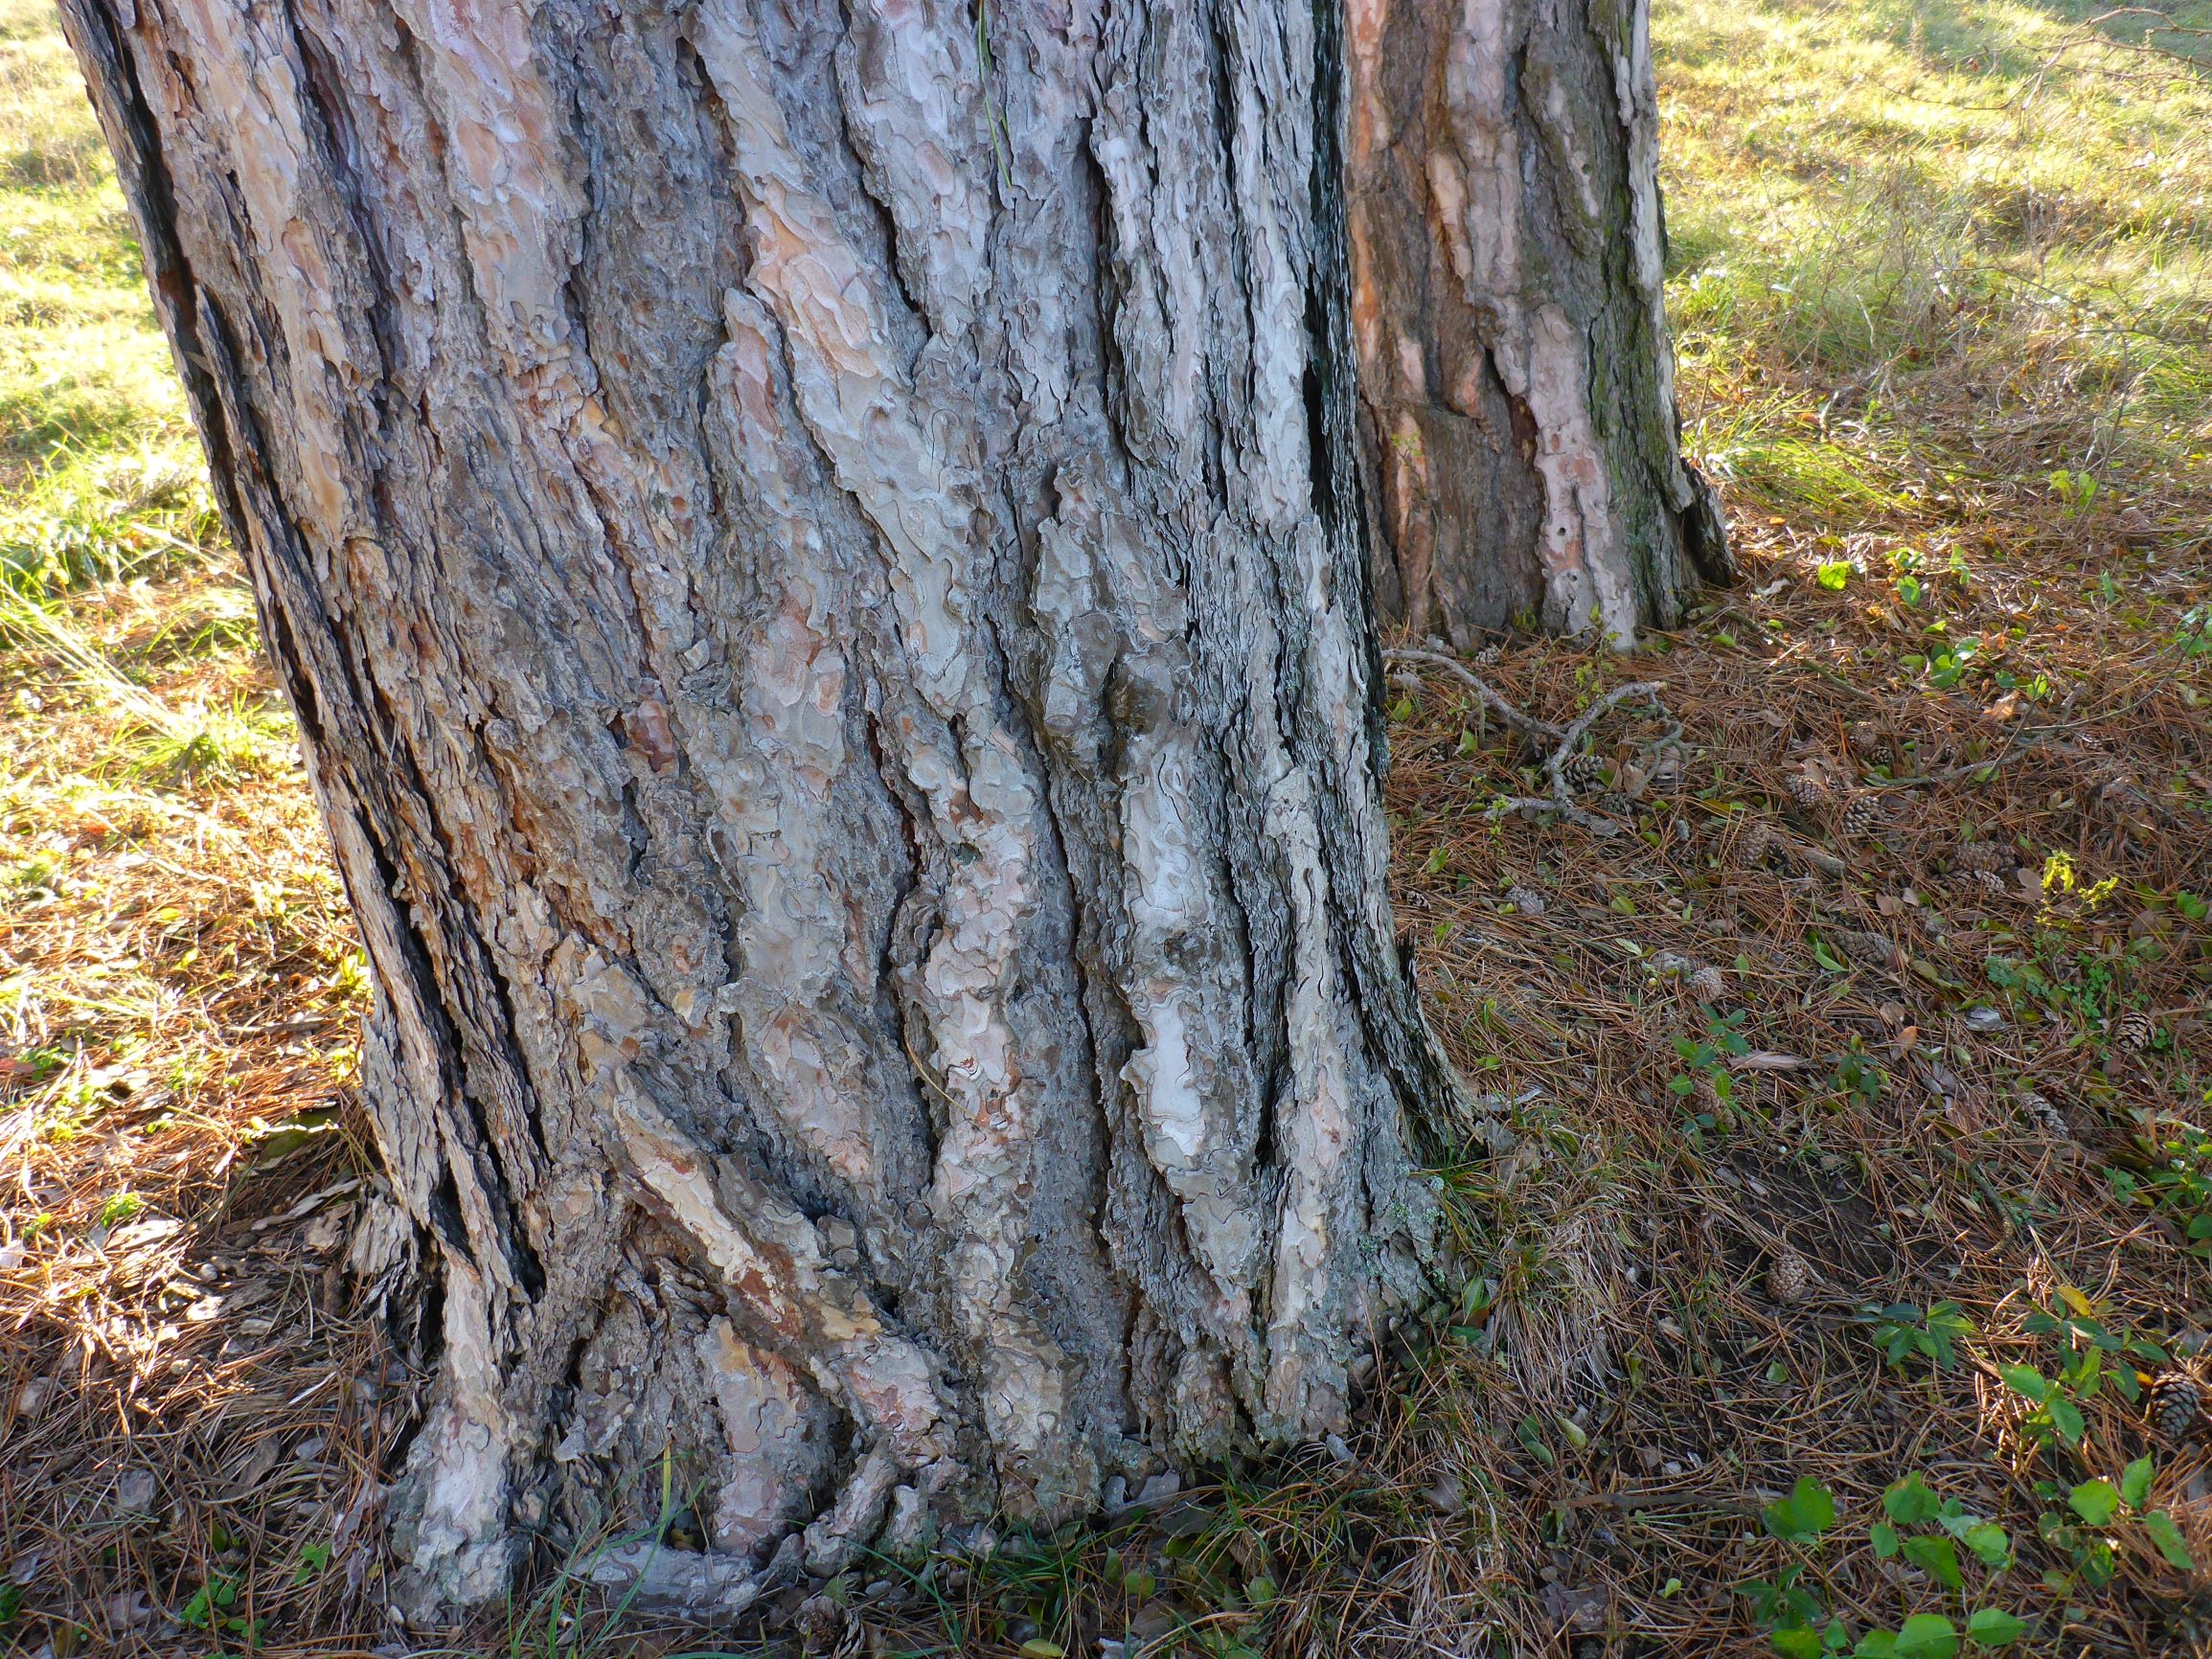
x=1837, y=1011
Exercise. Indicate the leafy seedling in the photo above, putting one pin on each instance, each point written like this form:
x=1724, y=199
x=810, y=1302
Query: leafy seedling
x=1902, y=1332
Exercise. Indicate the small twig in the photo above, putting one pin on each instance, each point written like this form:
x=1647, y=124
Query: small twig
x=1527, y=725
x=1767, y=1060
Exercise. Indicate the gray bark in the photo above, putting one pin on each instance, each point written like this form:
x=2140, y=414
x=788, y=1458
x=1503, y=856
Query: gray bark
x=819, y=560
x=1516, y=374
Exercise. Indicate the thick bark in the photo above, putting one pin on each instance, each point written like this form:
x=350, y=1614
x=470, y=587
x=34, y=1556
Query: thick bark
x=819, y=560
x=1516, y=380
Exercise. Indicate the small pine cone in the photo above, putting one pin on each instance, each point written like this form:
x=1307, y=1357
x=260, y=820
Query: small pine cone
x=1787, y=1278
x=2176, y=1403
x=1757, y=843
x=1872, y=948
x=822, y=1625
x=1488, y=655
x=1584, y=773
x=1994, y=884
x=1615, y=805
x=1807, y=790
x=1863, y=813
x=1710, y=985
x=2134, y=1028
x=1982, y=857
x=2047, y=1117
x=1865, y=737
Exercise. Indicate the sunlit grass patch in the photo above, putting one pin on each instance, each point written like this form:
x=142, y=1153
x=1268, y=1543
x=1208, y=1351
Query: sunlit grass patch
x=1983, y=230
x=47, y=138
x=83, y=370
x=206, y=745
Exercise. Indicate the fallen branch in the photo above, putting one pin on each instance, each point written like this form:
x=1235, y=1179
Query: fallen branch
x=1562, y=739
x=1527, y=725
x=1596, y=823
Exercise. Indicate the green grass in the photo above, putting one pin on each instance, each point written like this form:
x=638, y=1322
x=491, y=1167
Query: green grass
x=98, y=465
x=1921, y=246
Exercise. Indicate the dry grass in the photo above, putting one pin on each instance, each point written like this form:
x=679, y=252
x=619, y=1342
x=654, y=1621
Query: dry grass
x=184, y=1405
x=1927, y=256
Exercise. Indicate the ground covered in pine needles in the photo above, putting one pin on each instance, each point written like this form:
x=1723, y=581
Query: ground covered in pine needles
x=1836, y=1273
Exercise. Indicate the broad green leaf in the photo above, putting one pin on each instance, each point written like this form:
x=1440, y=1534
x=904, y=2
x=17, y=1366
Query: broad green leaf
x=1041, y=1648
x=1991, y=1544
x=1908, y=1500
x=1530, y=1433
x=2067, y=1418
x=2095, y=1501
x=1995, y=1628
x=2026, y=1381
x=1802, y=1642
x=1926, y=1636
x=2135, y=1484
x=1875, y=1645
x=1807, y=1512
x=1938, y=1559
x=1883, y=1538
x=2167, y=1537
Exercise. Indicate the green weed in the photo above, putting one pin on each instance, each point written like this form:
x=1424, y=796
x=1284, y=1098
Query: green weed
x=1902, y=1332
x=2094, y=1511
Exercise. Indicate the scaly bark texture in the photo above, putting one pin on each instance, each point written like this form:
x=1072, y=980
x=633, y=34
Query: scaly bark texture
x=818, y=555
x=1516, y=380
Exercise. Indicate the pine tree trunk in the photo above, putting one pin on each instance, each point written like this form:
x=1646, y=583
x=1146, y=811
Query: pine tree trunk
x=821, y=569
x=1515, y=377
